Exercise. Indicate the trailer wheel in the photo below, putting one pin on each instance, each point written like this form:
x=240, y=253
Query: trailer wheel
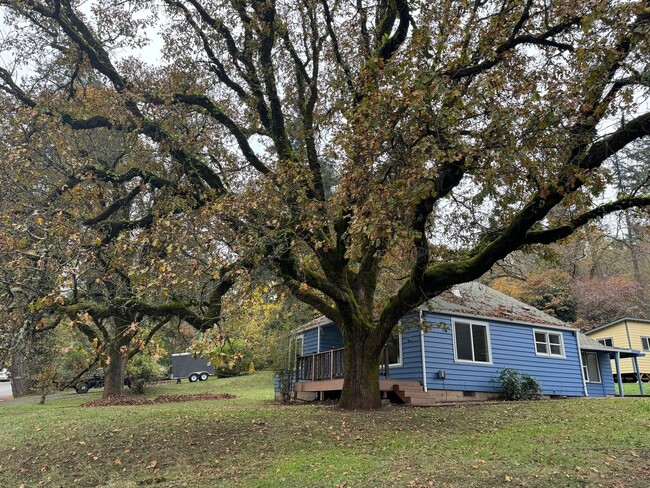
x=193, y=378
x=82, y=388
x=203, y=376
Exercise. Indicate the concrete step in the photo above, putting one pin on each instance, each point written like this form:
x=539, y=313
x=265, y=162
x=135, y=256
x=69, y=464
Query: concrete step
x=421, y=401
x=416, y=394
x=407, y=384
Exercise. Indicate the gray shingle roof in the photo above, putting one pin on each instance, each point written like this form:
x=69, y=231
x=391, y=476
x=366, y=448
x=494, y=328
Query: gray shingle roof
x=586, y=343
x=618, y=321
x=479, y=300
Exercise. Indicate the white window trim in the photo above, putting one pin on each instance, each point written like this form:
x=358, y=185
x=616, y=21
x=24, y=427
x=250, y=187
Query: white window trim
x=401, y=354
x=301, y=336
x=487, y=333
x=648, y=340
x=549, y=354
x=585, y=368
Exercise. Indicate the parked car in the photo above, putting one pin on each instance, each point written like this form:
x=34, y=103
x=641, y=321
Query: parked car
x=95, y=380
x=5, y=375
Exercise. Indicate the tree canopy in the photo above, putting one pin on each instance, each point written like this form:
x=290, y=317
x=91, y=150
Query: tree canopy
x=370, y=154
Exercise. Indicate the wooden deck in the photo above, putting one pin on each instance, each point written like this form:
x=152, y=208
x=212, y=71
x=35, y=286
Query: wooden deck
x=337, y=385
x=322, y=372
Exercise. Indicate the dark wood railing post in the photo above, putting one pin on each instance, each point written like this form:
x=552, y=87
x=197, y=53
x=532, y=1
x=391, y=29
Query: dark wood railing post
x=298, y=368
x=386, y=361
x=313, y=367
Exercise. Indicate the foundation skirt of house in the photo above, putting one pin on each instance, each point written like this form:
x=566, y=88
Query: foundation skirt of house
x=408, y=391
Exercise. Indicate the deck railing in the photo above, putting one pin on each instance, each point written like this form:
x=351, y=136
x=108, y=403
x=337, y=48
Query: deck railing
x=329, y=365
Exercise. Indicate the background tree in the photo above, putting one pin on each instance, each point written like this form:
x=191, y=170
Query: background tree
x=64, y=259
x=549, y=290
x=326, y=139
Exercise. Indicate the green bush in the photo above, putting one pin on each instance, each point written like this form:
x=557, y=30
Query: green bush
x=143, y=366
x=516, y=385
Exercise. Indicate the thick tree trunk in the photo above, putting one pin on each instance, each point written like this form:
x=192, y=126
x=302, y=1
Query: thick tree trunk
x=115, y=371
x=21, y=382
x=361, y=380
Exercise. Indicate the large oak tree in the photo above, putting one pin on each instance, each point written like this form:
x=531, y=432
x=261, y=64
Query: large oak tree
x=373, y=154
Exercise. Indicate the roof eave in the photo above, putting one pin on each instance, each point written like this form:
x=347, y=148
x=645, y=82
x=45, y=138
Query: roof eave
x=500, y=319
x=618, y=321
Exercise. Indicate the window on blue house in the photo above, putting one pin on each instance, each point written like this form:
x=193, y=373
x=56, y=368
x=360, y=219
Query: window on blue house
x=548, y=343
x=394, y=348
x=472, y=342
x=300, y=344
x=590, y=367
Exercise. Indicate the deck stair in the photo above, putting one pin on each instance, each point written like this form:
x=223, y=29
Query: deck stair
x=412, y=393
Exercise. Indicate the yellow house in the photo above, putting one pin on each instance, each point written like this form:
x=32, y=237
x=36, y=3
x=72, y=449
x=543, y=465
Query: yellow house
x=629, y=333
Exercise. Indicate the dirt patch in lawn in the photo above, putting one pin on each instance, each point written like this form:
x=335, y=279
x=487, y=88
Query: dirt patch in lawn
x=131, y=400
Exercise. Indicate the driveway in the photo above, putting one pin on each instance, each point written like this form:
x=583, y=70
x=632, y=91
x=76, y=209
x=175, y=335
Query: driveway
x=5, y=390
x=7, y=399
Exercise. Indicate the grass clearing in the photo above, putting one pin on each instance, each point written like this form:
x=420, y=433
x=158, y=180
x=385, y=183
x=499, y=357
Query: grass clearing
x=633, y=388
x=251, y=441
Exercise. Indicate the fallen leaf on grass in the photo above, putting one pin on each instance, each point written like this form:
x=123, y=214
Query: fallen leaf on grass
x=152, y=464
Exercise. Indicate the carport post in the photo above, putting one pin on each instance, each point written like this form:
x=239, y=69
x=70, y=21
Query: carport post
x=635, y=363
x=617, y=360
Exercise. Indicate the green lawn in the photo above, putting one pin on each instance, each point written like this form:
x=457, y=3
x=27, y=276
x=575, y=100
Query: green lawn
x=252, y=442
x=633, y=388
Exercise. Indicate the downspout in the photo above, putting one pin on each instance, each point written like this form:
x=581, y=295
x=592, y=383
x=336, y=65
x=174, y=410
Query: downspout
x=582, y=368
x=424, y=360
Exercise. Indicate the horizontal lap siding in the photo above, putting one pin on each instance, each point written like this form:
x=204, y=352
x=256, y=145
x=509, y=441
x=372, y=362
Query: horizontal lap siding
x=411, y=368
x=606, y=373
x=618, y=334
x=606, y=387
x=606, y=376
x=638, y=330
x=595, y=390
x=512, y=346
x=330, y=338
x=311, y=341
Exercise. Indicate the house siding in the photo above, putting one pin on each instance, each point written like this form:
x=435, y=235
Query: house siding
x=607, y=386
x=512, y=346
x=619, y=334
x=411, y=357
x=411, y=368
x=330, y=337
x=310, y=345
x=615, y=332
x=638, y=330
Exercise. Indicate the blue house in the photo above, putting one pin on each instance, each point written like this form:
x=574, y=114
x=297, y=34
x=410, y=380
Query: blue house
x=454, y=347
